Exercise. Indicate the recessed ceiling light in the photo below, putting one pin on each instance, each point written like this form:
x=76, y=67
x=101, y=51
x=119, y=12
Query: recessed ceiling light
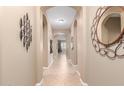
x=60, y=20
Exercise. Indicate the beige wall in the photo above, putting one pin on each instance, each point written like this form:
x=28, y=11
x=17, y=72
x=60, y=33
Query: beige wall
x=82, y=42
x=39, y=43
x=45, y=42
x=0, y=62
x=18, y=67
x=122, y=22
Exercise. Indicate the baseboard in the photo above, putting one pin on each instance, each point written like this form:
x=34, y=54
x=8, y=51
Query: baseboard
x=39, y=84
x=78, y=73
x=46, y=68
x=69, y=60
x=83, y=83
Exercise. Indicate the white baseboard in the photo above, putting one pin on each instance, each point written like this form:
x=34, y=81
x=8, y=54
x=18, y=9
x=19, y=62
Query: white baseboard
x=78, y=73
x=46, y=68
x=82, y=82
x=39, y=84
x=69, y=60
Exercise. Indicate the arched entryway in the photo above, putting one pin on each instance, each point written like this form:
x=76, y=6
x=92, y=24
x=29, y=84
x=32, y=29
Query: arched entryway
x=75, y=43
x=45, y=42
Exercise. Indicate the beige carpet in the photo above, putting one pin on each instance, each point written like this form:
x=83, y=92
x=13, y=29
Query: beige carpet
x=61, y=73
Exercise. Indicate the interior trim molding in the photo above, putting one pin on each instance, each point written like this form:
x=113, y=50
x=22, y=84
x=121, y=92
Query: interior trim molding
x=82, y=82
x=74, y=65
x=46, y=68
x=70, y=61
x=40, y=83
x=78, y=73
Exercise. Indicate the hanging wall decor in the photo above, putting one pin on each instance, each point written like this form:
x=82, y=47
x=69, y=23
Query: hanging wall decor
x=25, y=31
x=107, y=31
x=51, y=46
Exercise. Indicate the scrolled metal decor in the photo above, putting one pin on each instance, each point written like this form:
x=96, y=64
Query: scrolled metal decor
x=113, y=50
x=25, y=31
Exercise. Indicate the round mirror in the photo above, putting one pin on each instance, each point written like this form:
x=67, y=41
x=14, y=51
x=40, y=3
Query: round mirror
x=110, y=25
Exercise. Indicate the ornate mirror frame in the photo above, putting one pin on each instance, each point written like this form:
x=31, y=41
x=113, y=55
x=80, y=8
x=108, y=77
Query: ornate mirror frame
x=112, y=50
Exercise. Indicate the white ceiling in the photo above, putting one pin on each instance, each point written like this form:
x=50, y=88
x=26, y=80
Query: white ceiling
x=61, y=12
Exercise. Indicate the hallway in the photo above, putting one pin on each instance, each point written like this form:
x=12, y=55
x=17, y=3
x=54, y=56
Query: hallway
x=61, y=73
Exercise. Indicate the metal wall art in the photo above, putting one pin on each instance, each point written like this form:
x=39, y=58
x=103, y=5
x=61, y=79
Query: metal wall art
x=51, y=46
x=112, y=50
x=25, y=31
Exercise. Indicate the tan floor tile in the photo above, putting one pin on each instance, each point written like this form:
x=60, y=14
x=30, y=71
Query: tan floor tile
x=61, y=73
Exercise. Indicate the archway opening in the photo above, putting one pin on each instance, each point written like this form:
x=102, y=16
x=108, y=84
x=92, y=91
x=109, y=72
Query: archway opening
x=75, y=43
x=45, y=42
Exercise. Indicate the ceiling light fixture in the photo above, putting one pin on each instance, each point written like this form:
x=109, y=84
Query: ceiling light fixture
x=60, y=20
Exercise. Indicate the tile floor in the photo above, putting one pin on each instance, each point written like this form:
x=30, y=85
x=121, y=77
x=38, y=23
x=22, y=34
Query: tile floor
x=61, y=73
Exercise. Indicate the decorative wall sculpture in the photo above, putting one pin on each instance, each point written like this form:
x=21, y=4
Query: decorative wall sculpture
x=25, y=31
x=51, y=46
x=115, y=48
